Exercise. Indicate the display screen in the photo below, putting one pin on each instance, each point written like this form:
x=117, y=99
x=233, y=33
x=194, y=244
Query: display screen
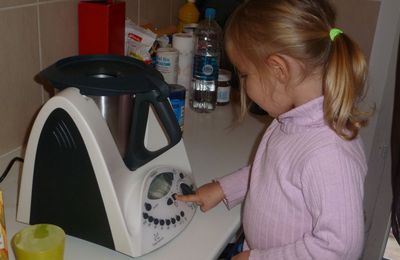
x=160, y=186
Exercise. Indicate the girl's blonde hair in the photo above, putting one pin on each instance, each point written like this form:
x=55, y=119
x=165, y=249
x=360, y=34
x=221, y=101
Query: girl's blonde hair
x=300, y=29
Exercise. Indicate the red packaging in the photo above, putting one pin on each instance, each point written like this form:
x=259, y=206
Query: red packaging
x=101, y=27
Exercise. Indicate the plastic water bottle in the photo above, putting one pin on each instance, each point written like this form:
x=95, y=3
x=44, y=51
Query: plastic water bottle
x=208, y=40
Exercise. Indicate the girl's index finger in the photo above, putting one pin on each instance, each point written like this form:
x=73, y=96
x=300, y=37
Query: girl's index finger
x=188, y=198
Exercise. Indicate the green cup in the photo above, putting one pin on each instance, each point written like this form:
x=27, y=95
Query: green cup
x=39, y=242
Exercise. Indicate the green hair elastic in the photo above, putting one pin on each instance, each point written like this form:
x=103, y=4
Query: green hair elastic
x=334, y=32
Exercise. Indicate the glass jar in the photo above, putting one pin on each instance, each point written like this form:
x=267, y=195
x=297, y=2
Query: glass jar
x=224, y=87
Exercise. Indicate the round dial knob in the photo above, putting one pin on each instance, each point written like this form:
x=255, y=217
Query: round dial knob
x=186, y=189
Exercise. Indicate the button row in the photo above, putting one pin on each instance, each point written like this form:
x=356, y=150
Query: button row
x=162, y=221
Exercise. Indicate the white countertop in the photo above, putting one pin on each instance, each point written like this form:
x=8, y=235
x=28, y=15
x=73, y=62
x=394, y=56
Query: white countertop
x=216, y=146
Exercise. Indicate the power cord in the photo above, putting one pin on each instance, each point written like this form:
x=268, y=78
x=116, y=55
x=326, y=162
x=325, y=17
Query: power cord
x=10, y=164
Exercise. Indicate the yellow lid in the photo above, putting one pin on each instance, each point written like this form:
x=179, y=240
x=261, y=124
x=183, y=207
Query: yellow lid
x=188, y=13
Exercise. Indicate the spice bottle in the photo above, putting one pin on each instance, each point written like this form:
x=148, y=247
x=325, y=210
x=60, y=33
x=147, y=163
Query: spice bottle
x=224, y=87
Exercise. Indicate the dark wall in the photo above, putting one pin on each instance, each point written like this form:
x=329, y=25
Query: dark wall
x=395, y=152
x=223, y=7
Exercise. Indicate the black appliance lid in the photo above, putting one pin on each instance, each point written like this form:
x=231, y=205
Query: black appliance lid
x=104, y=75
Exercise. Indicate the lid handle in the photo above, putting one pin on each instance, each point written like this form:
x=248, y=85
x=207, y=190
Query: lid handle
x=137, y=154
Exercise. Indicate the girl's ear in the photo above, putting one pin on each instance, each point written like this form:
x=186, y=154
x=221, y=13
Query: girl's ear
x=279, y=68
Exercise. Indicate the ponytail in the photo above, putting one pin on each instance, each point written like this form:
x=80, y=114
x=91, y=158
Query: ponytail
x=345, y=76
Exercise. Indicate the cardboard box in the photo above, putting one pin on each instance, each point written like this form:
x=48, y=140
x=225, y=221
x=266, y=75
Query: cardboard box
x=3, y=234
x=101, y=27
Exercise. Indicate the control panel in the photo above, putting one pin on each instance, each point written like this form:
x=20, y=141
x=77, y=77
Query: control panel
x=163, y=216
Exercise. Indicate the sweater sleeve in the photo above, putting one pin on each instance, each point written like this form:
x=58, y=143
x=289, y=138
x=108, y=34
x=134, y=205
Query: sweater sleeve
x=235, y=186
x=332, y=184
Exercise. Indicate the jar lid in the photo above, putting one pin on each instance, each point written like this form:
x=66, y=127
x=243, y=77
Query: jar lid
x=176, y=88
x=224, y=75
x=104, y=75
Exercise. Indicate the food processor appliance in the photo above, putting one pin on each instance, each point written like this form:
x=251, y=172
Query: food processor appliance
x=105, y=157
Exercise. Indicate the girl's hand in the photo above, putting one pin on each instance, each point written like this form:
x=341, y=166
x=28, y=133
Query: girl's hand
x=207, y=196
x=242, y=256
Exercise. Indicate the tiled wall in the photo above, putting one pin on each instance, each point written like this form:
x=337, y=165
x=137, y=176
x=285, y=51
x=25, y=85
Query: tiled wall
x=36, y=33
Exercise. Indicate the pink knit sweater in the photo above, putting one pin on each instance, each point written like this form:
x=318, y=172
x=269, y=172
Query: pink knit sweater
x=303, y=194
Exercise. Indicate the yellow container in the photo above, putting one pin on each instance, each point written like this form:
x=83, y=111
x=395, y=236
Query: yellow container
x=39, y=242
x=188, y=14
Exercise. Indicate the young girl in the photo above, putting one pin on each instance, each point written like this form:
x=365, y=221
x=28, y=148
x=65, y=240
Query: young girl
x=303, y=194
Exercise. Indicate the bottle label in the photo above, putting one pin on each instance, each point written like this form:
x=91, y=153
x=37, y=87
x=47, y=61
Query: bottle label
x=178, y=105
x=205, y=67
x=223, y=94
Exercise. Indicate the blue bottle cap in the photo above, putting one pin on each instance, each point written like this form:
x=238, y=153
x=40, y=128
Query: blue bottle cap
x=210, y=13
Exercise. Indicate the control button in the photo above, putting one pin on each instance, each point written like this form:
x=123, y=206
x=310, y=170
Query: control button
x=182, y=213
x=186, y=190
x=145, y=215
x=174, y=196
x=168, y=222
x=147, y=206
x=181, y=175
x=169, y=201
x=173, y=220
x=151, y=219
x=162, y=222
x=156, y=221
x=178, y=218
